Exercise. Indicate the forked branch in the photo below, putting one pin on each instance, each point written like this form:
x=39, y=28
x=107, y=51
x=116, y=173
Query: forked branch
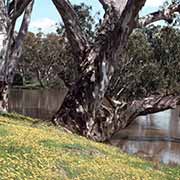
x=165, y=14
x=77, y=38
x=17, y=7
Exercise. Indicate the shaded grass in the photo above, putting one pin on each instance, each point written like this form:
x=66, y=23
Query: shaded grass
x=44, y=152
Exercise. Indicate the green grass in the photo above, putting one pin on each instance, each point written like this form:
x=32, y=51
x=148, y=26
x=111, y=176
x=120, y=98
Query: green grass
x=30, y=149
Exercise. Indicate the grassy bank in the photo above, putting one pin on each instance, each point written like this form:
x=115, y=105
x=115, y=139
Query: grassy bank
x=32, y=150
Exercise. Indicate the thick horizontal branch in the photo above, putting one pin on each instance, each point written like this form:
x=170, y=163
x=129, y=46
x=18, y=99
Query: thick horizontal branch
x=149, y=105
x=121, y=114
x=156, y=104
x=165, y=14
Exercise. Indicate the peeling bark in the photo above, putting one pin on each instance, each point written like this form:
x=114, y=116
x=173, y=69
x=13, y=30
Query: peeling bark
x=77, y=38
x=82, y=109
x=3, y=97
x=86, y=109
x=115, y=115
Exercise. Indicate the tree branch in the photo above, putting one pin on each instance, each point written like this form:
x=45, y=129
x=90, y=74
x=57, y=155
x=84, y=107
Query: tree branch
x=149, y=105
x=77, y=38
x=166, y=14
x=105, y=3
x=17, y=46
x=119, y=21
x=123, y=114
x=17, y=7
x=154, y=104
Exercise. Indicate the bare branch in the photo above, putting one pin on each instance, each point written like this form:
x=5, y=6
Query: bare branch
x=17, y=7
x=77, y=38
x=166, y=14
x=17, y=47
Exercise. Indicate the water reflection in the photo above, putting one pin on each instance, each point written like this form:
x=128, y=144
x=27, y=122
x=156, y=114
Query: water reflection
x=155, y=136
x=36, y=103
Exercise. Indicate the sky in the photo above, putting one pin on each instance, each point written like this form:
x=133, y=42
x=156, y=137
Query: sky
x=45, y=15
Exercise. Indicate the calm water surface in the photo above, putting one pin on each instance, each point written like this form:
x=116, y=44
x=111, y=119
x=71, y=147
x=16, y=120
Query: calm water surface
x=155, y=136
x=40, y=104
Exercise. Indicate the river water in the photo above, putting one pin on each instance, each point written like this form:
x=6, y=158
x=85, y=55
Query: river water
x=41, y=104
x=155, y=137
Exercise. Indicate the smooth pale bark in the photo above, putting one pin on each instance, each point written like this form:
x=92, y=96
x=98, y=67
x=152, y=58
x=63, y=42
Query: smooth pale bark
x=16, y=49
x=11, y=45
x=3, y=54
x=3, y=38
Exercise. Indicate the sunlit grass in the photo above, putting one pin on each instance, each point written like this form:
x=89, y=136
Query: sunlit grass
x=31, y=150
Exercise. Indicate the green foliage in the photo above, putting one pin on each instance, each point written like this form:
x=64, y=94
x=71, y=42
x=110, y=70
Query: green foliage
x=150, y=64
x=46, y=60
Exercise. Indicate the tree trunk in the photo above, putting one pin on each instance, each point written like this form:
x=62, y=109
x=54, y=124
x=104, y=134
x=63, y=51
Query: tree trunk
x=10, y=44
x=112, y=115
x=86, y=109
x=83, y=110
x=3, y=54
x=3, y=96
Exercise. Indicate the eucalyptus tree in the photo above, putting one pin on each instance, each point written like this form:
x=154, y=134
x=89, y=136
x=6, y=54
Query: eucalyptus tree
x=11, y=41
x=87, y=109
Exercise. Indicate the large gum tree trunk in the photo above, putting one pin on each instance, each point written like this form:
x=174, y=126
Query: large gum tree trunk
x=83, y=110
x=86, y=109
x=10, y=43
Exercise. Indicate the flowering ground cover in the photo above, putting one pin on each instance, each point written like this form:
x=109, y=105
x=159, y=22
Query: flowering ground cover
x=30, y=149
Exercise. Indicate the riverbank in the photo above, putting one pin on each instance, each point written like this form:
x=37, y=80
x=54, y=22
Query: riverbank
x=30, y=149
x=37, y=85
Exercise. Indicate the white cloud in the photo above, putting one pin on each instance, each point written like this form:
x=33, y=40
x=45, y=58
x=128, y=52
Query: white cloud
x=45, y=24
x=154, y=3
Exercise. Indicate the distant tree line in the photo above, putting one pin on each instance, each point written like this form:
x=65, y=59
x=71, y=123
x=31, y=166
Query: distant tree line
x=151, y=65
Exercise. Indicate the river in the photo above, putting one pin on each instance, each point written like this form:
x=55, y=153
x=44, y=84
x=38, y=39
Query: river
x=41, y=104
x=155, y=137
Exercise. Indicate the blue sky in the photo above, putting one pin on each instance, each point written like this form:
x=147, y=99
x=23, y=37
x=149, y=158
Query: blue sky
x=45, y=15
